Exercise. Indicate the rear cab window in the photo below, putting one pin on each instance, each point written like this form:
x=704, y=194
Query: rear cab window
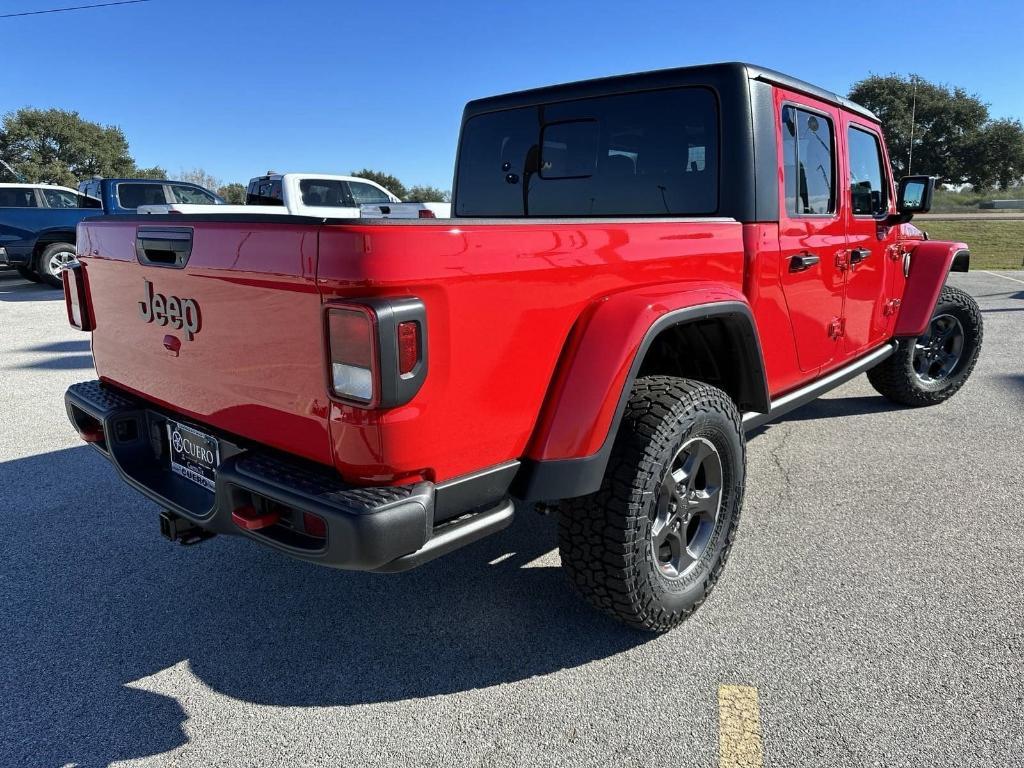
x=653, y=153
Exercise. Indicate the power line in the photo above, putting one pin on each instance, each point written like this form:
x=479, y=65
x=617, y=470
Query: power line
x=71, y=8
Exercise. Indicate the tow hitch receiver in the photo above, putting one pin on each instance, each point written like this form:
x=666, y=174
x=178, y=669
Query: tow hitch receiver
x=185, y=532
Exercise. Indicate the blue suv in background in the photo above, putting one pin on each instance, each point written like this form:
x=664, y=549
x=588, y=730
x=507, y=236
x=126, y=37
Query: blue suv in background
x=38, y=221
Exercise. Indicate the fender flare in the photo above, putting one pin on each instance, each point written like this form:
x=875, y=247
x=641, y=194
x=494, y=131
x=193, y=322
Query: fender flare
x=929, y=266
x=53, y=235
x=571, y=444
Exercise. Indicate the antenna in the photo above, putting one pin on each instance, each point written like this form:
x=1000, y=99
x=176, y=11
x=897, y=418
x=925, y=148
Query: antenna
x=913, y=119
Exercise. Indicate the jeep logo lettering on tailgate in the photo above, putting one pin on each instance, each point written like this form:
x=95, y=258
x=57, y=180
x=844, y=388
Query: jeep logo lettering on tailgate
x=170, y=310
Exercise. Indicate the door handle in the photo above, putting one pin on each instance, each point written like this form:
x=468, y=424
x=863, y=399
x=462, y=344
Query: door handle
x=857, y=255
x=163, y=246
x=802, y=262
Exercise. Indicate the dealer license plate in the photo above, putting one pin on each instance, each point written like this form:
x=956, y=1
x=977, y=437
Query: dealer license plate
x=194, y=454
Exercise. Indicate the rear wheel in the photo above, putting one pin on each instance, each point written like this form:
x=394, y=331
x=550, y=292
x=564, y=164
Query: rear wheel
x=932, y=368
x=649, y=546
x=28, y=274
x=51, y=262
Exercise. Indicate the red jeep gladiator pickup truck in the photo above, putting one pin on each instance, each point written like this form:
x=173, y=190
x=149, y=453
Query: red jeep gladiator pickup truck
x=639, y=270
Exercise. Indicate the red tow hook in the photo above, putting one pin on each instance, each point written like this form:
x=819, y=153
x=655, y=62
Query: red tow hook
x=251, y=520
x=93, y=435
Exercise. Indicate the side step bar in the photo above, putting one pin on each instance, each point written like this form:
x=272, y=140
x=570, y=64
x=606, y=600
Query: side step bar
x=452, y=536
x=816, y=389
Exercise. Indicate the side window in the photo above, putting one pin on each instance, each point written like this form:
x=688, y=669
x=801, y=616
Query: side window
x=869, y=189
x=133, y=194
x=84, y=201
x=325, y=193
x=808, y=161
x=59, y=198
x=367, y=193
x=186, y=194
x=17, y=197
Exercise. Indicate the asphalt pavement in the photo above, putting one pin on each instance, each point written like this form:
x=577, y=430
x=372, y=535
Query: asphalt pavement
x=870, y=613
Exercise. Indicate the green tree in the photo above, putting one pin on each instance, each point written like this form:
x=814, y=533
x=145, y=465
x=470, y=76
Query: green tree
x=202, y=178
x=156, y=172
x=424, y=193
x=233, y=193
x=996, y=157
x=386, y=180
x=947, y=131
x=60, y=147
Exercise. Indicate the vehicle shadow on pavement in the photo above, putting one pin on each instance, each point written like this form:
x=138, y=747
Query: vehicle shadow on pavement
x=97, y=600
x=13, y=287
x=62, y=347
x=836, y=407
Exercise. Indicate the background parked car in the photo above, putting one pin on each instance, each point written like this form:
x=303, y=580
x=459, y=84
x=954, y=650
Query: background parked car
x=326, y=195
x=38, y=221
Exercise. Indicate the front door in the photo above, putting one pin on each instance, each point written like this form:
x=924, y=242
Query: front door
x=870, y=195
x=812, y=233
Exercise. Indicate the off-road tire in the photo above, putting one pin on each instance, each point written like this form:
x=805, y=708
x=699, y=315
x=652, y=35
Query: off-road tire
x=605, y=539
x=28, y=274
x=44, y=265
x=896, y=378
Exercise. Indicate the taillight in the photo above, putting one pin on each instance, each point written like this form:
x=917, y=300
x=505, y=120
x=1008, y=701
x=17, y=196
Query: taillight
x=376, y=350
x=75, y=297
x=352, y=343
x=426, y=213
x=408, y=346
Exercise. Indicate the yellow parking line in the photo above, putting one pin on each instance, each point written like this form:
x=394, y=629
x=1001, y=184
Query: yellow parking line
x=739, y=727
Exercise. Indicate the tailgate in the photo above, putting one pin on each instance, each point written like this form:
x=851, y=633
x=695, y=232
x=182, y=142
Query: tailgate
x=216, y=320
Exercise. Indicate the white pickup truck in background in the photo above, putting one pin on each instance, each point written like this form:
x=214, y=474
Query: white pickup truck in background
x=317, y=194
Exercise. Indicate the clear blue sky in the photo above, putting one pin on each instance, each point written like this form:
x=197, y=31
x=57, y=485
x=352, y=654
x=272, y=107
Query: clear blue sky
x=238, y=87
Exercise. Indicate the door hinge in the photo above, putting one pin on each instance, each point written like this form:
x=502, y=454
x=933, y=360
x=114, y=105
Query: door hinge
x=837, y=327
x=842, y=260
x=891, y=307
x=895, y=251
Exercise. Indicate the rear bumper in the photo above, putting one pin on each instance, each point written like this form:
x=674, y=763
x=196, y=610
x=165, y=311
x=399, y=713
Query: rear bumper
x=383, y=528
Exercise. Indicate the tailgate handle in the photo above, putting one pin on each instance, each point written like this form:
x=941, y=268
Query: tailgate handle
x=163, y=246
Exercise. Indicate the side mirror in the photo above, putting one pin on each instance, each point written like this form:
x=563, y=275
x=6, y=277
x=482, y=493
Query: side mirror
x=914, y=196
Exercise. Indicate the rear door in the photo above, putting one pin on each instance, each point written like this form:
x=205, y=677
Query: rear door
x=812, y=232
x=869, y=193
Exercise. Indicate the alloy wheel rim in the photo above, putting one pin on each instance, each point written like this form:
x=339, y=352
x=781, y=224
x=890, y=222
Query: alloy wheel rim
x=58, y=261
x=937, y=353
x=688, y=504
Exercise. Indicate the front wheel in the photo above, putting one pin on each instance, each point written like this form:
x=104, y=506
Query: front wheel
x=649, y=546
x=51, y=262
x=932, y=368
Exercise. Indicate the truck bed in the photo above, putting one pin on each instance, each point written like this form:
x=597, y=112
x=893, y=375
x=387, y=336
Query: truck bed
x=256, y=369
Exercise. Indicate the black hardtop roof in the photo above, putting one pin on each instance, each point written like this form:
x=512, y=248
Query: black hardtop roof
x=661, y=78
